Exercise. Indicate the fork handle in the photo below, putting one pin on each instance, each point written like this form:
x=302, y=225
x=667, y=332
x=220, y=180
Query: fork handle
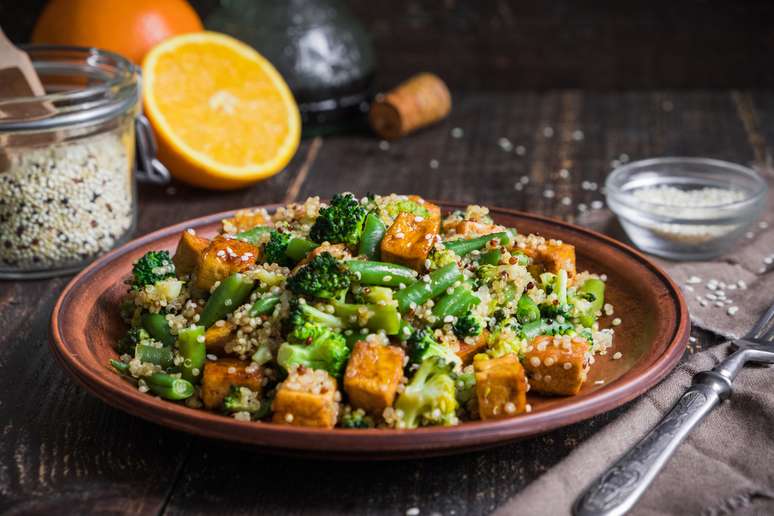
x=618, y=488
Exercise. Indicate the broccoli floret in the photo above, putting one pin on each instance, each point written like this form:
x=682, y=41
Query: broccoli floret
x=241, y=399
x=552, y=311
x=465, y=386
x=274, y=250
x=133, y=337
x=422, y=345
x=488, y=273
x=406, y=206
x=341, y=222
x=301, y=313
x=441, y=258
x=323, y=277
x=357, y=419
x=469, y=325
x=506, y=337
x=552, y=327
x=314, y=346
x=152, y=268
x=429, y=398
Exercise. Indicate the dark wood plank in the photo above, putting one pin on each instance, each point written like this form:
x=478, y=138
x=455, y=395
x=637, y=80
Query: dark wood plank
x=473, y=168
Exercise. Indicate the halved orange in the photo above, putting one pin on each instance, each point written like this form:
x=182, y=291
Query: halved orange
x=223, y=116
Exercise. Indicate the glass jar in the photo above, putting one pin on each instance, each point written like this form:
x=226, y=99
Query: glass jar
x=67, y=189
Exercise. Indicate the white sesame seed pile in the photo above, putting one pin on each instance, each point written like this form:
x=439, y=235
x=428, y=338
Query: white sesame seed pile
x=64, y=204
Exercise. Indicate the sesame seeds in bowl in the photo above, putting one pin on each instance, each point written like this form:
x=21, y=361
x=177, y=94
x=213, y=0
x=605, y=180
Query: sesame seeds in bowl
x=685, y=208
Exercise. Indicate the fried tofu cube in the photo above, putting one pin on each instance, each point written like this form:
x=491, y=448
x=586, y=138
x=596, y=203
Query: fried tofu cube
x=557, y=365
x=552, y=256
x=372, y=376
x=223, y=257
x=215, y=337
x=189, y=250
x=223, y=373
x=470, y=228
x=501, y=387
x=244, y=220
x=307, y=397
x=409, y=240
x=468, y=351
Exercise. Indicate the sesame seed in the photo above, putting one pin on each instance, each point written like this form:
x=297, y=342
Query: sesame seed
x=617, y=321
x=617, y=355
x=732, y=310
x=567, y=366
x=535, y=361
x=527, y=408
x=693, y=280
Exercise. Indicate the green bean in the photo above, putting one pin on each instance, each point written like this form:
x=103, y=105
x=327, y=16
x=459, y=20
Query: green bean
x=298, y=248
x=157, y=327
x=373, y=233
x=418, y=293
x=490, y=257
x=263, y=305
x=378, y=295
x=592, y=288
x=455, y=304
x=527, y=310
x=169, y=387
x=254, y=235
x=380, y=317
x=120, y=367
x=463, y=247
x=190, y=343
x=228, y=296
x=381, y=273
x=151, y=354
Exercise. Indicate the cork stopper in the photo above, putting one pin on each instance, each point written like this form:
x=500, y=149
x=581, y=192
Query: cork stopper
x=420, y=101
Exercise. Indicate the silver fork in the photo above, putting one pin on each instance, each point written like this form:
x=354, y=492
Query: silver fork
x=618, y=488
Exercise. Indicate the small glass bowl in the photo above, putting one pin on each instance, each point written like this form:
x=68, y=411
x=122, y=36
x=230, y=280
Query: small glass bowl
x=683, y=225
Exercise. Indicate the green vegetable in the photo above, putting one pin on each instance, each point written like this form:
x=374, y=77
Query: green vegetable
x=120, y=367
x=241, y=399
x=468, y=325
x=531, y=329
x=441, y=258
x=302, y=312
x=463, y=247
x=527, y=310
x=377, y=295
x=373, y=317
x=357, y=419
x=341, y=222
x=465, y=390
x=459, y=302
x=227, y=297
x=395, y=208
x=133, y=337
x=419, y=292
x=148, y=353
x=595, y=290
x=253, y=235
x=373, y=233
x=429, y=398
x=153, y=267
x=190, y=344
x=263, y=354
x=490, y=257
x=323, y=277
x=274, y=250
x=422, y=345
x=169, y=387
x=314, y=346
x=157, y=327
x=381, y=273
x=264, y=305
x=298, y=248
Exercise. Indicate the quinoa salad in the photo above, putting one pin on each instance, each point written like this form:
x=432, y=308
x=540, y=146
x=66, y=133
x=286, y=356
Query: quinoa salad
x=377, y=312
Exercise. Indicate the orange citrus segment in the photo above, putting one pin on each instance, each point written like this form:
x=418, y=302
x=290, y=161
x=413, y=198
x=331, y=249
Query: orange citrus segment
x=223, y=116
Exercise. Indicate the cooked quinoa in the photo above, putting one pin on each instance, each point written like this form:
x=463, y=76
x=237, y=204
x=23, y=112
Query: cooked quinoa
x=363, y=313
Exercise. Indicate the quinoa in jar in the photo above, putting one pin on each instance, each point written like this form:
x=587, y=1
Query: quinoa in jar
x=67, y=190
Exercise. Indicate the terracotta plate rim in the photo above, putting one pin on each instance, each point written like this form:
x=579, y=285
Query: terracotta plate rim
x=367, y=443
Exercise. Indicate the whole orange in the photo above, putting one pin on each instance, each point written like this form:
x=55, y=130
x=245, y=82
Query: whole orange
x=128, y=27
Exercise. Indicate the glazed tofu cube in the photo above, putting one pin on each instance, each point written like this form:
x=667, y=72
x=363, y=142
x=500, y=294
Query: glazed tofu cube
x=501, y=387
x=189, y=250
x=468, y=351
x=470, y=228
x=215, y=337
x=372, y=376
x=552, y=257
x=221, y=374
x=223, y=257
x=409, y=240
x=307, y=397
x=556, y=365
x=244, y=220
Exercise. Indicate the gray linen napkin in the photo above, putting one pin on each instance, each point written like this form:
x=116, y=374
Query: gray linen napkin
x=726, y=465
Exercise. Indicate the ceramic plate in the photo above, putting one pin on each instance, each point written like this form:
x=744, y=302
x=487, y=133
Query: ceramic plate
x=85, y=323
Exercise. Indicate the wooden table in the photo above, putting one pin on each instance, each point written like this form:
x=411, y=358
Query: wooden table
x=64, y=451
